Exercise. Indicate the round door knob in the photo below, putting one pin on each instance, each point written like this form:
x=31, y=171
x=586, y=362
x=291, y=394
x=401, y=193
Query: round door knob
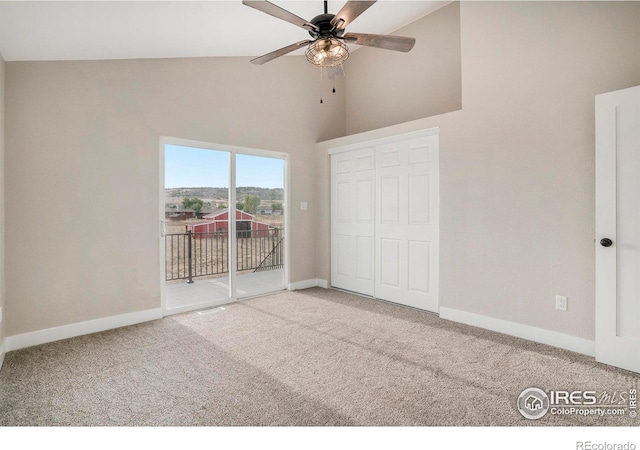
x=606, y=242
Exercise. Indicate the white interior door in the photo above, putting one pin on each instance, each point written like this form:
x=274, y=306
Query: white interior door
x=407, y=222
x=352, y=225
x=618, y=228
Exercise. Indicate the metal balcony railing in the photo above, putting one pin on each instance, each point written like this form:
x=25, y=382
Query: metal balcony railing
x=190, y=255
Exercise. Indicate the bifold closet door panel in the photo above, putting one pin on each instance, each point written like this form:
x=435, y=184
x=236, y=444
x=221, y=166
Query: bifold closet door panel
x=352, y=220
x=406, y=228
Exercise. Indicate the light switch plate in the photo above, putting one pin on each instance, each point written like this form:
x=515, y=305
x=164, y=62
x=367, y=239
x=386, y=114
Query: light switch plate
x=304, y=206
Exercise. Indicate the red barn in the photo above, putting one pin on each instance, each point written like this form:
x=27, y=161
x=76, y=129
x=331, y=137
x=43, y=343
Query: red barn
x=218, y=222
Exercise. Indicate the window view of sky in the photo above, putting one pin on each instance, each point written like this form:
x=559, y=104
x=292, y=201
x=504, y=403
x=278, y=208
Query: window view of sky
x=196, y=167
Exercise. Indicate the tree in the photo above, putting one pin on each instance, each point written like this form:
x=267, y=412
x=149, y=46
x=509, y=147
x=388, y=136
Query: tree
x=276, y=206
x=251, y=203
x=192, y=203
x=240, y=206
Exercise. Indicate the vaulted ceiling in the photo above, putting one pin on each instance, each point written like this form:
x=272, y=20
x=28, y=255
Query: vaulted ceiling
x=66, y=30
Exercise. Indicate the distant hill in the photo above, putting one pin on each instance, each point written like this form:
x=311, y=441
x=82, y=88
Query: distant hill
x=222, y=194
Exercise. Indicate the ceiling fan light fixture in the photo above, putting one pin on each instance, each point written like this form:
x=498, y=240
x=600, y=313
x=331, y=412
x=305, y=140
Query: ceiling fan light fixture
x=327, y=52
x=328, y=32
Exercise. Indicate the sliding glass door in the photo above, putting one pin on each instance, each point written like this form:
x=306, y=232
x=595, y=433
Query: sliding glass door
x=260, y=229
x=223, y=234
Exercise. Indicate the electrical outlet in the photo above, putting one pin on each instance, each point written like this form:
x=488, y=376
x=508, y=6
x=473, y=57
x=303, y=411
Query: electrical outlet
x=561, y=302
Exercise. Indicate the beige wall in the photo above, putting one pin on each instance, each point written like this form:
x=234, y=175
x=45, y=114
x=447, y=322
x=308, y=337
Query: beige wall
x=82, y=170
x=387, y=88
x=517, y=181
x=517, y=162
x=2, y=222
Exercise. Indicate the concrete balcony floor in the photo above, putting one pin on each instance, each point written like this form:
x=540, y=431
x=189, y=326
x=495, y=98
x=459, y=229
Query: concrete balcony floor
x=181, y=296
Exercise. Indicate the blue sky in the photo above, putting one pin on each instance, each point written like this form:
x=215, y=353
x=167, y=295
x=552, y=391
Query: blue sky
x=196, y=167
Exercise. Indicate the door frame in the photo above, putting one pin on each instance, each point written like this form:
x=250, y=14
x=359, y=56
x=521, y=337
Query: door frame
x=233, y=151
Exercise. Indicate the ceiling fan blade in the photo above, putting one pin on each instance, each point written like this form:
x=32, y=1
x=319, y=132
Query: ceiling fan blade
x=281, y=52
x=349, y=12
x=388, y=42
x=276, y=11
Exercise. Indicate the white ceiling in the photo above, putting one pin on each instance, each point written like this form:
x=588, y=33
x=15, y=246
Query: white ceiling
x=77, y=30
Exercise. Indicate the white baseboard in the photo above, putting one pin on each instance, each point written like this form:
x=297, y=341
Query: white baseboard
x=306, y=284
x=78, y=329
x=2, y=352
x=530, y=333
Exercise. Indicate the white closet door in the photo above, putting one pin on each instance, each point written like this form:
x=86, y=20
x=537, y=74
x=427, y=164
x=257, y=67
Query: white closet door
x=407, y=222
x=352, y=223
x=618, y=228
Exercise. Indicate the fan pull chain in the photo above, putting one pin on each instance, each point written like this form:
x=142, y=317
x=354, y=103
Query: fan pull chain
x=321, y=69
x=334, y=78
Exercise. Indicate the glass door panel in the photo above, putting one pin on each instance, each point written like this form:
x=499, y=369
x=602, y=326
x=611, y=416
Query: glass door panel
x=196, y=224
x=260, y=222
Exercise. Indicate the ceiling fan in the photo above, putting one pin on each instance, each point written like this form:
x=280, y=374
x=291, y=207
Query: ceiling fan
x=328, y=48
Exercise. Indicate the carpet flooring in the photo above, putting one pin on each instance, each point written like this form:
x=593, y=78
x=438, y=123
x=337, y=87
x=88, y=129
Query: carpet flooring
x=306, y=358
